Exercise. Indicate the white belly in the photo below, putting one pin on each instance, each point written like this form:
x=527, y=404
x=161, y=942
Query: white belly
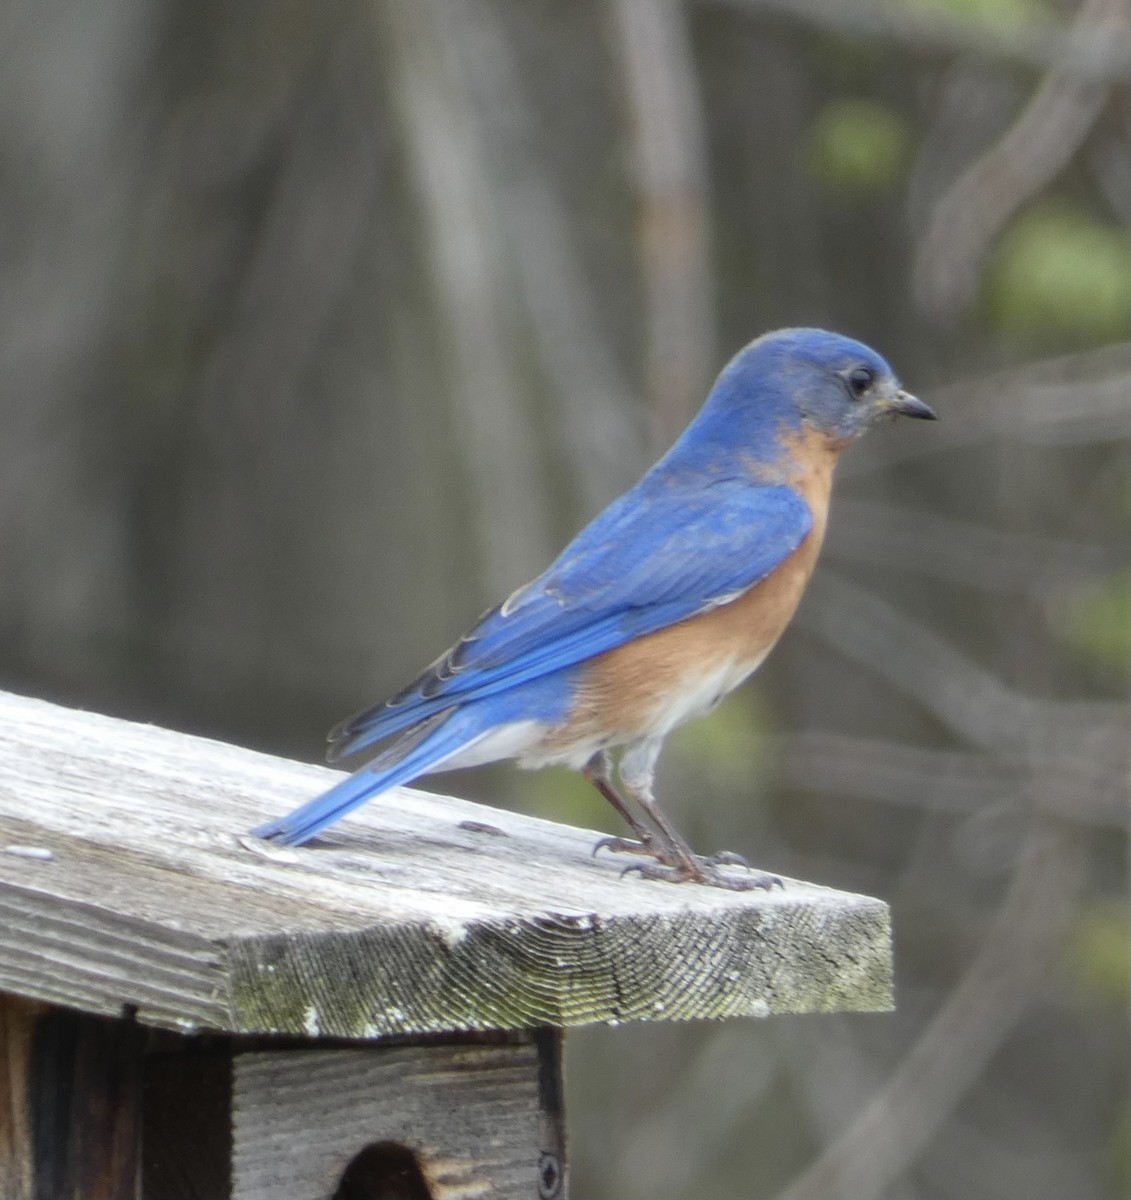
x=504, y=741
x=701, y=691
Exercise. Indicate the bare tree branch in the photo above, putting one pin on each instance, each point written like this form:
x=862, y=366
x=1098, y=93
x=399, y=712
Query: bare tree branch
x=966, y=1158
x=472, y=293
x=598, y=407
x=969, y=700
x=953, y=781
x=969, y=216
x=959, y=552
x=1086, y=54
x=669, y=156
x=1012, y=966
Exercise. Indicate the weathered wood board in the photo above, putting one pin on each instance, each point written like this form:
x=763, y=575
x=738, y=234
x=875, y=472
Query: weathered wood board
x=474, y=1118
x=128, y=883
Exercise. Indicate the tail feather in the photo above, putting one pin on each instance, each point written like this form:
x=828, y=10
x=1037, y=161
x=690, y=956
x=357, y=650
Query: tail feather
x=421, y=750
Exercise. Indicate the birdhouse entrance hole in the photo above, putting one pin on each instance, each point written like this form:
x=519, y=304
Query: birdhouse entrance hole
x=383, y=1171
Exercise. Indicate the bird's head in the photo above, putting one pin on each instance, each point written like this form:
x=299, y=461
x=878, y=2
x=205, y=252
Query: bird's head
x=797, y=380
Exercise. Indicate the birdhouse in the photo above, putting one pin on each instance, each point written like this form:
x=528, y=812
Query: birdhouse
x=190, y=1012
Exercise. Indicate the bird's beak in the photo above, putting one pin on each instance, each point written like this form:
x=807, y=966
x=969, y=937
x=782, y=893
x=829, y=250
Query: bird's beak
x=907, y=405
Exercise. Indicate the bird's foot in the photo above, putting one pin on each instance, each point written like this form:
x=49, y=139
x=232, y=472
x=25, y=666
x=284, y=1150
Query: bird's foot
x=707, y=872
x=676, y=867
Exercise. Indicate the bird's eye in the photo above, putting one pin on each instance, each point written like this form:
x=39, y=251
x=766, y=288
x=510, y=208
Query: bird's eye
x=859, y=380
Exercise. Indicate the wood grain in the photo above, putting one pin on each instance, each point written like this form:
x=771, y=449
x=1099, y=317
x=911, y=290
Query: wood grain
x=128, y=883
x=470, y=1116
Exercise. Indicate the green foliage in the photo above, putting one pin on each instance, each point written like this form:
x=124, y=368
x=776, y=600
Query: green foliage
x=1095, y=620
x=999, y=13
x=1058, y=270
x=724, y=748
x=1097, y=954
x=858, y=146
x=565, y=797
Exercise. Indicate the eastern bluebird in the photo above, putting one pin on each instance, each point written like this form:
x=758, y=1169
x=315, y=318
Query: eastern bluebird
x=665, y=602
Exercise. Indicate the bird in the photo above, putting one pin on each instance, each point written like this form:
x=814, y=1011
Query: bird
x=664, y=603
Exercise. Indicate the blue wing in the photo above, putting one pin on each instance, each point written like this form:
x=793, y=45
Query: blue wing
x=661, y=553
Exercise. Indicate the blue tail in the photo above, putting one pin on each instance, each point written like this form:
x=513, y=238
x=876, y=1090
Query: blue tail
x=412, y=756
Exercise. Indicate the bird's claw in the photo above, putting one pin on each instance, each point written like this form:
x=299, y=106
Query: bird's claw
x=623, y=845
x=620, y=845
x=666, y=865
x=727, y=858
x=706, y=872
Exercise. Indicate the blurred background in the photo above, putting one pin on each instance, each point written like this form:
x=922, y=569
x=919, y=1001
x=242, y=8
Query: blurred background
x=322, y=326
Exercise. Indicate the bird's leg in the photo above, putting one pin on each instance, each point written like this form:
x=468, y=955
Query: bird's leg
x=598, y=772
x=676, y=861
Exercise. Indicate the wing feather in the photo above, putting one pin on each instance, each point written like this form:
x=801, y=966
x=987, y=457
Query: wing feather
x=656, y=556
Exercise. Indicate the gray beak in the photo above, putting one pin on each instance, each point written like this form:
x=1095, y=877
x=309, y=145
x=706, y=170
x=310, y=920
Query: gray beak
x=908, y=405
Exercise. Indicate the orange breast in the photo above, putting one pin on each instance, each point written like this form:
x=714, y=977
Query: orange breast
x=627, y=689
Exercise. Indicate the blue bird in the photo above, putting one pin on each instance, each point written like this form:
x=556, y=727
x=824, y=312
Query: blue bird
x=662, y=605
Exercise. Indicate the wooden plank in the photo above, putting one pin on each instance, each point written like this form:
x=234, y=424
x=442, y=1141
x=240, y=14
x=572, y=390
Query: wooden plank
x=128, y=883
x=465, y=1121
